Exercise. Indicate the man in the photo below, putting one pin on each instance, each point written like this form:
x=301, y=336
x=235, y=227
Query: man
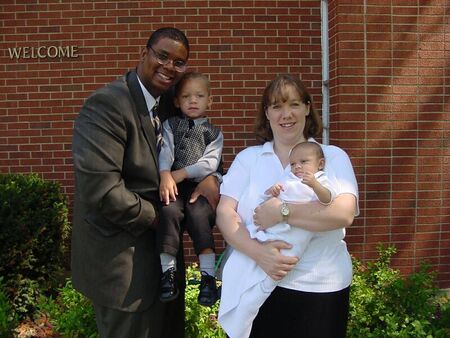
x=115, y=151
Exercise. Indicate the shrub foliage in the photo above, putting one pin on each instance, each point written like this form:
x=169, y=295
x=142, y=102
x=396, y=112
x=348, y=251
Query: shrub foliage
x=385, y=304
x=8, y=320
x=71, y=314
x=200, y=321
x=33, y=232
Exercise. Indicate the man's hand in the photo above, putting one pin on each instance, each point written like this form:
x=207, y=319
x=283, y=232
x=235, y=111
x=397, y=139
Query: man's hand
x=167, y=187
x=208, y=188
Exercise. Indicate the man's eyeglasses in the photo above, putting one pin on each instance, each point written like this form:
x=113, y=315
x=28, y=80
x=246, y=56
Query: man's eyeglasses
x=179, y=65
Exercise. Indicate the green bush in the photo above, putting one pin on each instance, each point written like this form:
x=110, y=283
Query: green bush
x=8, y=320
x=33, y=233
x=385, y=304
x=201, y=321
x=71, y=314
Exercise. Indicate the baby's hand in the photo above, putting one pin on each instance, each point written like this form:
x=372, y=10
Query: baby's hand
x=275, y=190
x=309, y=179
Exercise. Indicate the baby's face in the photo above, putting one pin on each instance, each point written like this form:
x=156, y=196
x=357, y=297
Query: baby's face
x=305, y=160
x=194, y=99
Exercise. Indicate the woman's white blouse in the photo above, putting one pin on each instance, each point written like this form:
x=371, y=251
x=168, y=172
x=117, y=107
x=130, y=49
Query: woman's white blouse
x=325, y=265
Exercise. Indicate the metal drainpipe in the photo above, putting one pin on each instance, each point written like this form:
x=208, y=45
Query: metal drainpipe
x=325, y=72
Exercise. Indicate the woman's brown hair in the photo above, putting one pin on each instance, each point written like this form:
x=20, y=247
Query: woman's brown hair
x=275, y=92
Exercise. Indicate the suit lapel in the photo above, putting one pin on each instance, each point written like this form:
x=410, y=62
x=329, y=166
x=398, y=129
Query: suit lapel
x=166, y=107
x=141, y=108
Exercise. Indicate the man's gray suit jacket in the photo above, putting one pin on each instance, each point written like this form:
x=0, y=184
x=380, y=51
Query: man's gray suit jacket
x=114, y=261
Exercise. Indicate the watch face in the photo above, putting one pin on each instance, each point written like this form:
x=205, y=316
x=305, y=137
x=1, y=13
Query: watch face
x=284, y=210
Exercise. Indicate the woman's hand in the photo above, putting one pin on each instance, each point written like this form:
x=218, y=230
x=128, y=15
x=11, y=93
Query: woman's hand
x=208, y=188
x=267, y=255
x=268, y=213
x=273, y=262
x=311, y=216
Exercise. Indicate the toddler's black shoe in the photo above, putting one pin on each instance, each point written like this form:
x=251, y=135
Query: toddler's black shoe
x=208, y=290
x=169, y=290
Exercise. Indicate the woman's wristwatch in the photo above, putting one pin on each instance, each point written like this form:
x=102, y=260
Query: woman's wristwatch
x=285, y=211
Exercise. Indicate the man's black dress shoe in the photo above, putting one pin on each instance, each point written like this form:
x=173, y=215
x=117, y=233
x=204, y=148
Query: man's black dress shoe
x=169, y=290
x=208, y=290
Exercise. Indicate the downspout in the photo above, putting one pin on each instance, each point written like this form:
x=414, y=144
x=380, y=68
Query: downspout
x=325, y=72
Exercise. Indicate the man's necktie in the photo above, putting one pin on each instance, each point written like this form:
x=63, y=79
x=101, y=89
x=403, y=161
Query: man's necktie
x=158, y=130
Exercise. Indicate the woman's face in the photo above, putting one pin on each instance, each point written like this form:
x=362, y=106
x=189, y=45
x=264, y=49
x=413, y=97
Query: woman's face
x=287, y=117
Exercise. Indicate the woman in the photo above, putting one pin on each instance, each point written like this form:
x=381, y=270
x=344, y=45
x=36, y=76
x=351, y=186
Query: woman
x=311, y=299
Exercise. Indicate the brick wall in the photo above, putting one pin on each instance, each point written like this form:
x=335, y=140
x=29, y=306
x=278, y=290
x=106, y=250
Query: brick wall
x=390, y=110
x=389, y=93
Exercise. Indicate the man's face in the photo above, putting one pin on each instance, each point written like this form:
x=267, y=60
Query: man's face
x=156, y=77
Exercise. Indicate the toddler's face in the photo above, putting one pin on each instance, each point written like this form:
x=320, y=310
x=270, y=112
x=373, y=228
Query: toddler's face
x=194, y=99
